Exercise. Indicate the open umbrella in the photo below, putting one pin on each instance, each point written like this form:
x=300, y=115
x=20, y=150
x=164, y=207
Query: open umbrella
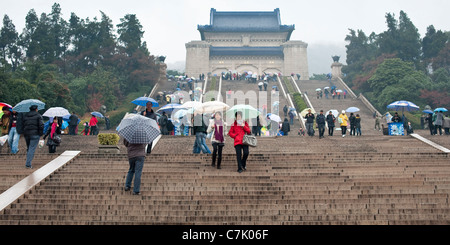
x=191, y=104
x=305, y=111
x=2, y=104
x=179, y=114
x=275, y=118
x=138, y=129
x=56, y=112
x=440, y=109
x=211, y=106
x=334, y=112
x=97, y=114
x=248, y=111
x=24, y=105
x=318, y=89
x=352, y=109
x=170, y=107
x=142, y=101
x=428, y=111
x=403, y=105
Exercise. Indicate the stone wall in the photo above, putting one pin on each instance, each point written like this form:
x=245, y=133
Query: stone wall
x=197, y=58
x=296, y=58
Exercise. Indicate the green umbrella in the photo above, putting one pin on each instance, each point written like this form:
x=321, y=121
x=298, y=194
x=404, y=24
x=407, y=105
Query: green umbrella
x=248, y=111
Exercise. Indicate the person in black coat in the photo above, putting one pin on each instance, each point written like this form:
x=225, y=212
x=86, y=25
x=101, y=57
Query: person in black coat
x=310, y=123
x=429, y=119
x=352, y=120
x=73, y=123
x=330, y=121
x=285, y=127
x=33, y=129
x=320, y=120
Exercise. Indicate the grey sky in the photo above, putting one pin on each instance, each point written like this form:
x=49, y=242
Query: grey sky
x=169, y=24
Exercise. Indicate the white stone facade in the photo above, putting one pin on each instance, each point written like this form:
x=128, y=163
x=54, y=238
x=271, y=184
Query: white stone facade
x=292, y=56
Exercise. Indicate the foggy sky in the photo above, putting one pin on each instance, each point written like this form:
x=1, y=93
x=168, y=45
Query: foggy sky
x=169, y=24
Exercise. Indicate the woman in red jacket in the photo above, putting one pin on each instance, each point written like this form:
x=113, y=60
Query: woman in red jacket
x=237, y=131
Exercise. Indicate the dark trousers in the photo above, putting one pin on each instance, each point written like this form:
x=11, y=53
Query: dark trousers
x=241, y=158
x=352, y=130
x=431, y=127
x=330, y=131
x=436, y=127
x=321, y=129
x=51, y=148
x=72, y=129
x=344, y=130
x=217, y=153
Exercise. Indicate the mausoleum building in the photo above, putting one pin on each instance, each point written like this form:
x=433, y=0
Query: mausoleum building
x=254, y=41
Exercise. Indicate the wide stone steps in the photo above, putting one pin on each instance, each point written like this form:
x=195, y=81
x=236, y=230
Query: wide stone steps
x=289, y=180
x=368, y=188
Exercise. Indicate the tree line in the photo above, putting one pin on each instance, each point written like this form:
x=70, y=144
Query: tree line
x=398, y=64
x=79, y=64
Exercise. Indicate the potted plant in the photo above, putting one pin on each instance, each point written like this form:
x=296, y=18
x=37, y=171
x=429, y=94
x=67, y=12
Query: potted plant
x=108, y=143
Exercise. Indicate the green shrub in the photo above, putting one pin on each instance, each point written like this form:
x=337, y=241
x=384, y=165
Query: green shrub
x=299, y=102
x=288, y=84
x=108, y=139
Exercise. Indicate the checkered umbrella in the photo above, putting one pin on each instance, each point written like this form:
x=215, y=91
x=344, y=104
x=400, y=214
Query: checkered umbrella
x=138, y=129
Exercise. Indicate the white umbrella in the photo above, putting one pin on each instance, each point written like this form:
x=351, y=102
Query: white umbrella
x=56, y=112
x=211, y=106
x=318, y=89
x=275, y=118
x=334, y=112
x=191, y=104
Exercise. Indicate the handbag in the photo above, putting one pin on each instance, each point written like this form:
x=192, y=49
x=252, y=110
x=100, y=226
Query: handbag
x=57, y=139
x=249, y=140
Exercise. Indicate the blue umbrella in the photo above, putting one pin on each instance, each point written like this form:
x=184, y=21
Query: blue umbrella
x=97, y=114
x=142, y=101
x=440, y=109
x=403, y=105
x=169, y=107
x=428, y=111
x=24, y=105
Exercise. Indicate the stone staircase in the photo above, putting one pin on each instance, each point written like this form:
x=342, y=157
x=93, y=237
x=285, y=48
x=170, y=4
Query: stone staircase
x=310, y=86
x=377, y=180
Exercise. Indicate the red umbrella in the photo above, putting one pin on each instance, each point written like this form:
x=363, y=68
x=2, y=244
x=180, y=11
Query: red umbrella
x=2, y=104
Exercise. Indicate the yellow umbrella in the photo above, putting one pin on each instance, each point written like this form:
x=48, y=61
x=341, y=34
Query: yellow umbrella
x=305, y=111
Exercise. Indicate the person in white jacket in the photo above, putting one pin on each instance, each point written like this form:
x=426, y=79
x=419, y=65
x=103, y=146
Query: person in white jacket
x=218, y=128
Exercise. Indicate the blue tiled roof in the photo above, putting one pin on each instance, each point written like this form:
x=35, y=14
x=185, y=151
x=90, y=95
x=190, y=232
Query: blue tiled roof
x=245, y=51
x=245, y=21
